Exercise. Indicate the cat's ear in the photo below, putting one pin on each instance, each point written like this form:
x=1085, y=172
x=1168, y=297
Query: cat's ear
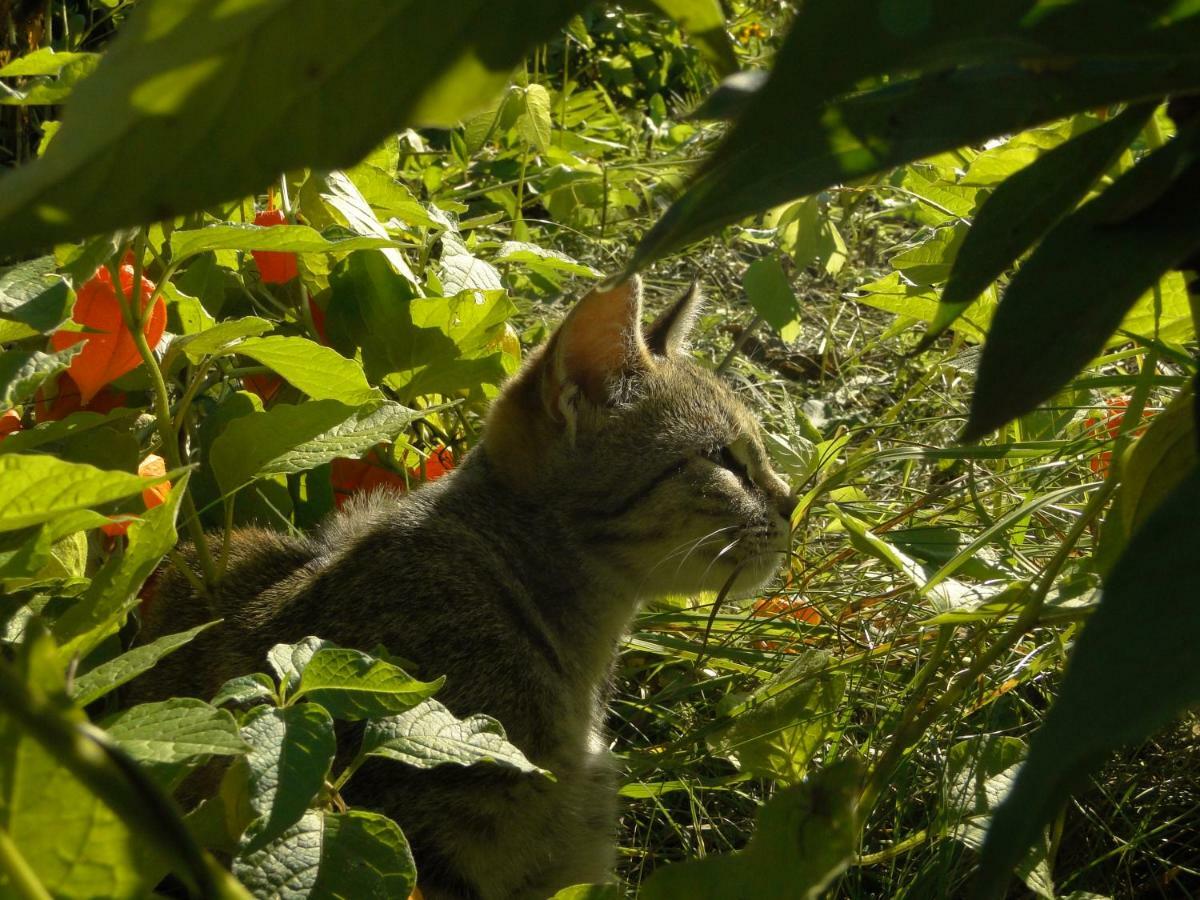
x=669, y=333
x=599, y=343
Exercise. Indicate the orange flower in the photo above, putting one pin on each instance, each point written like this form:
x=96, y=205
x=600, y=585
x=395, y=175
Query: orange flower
x=275, y=267
x=10, y=423
x=108, y=351
x=1108, y=424
x=768, y=607
x=362, y=476
x=61, y=398
x=152, y=466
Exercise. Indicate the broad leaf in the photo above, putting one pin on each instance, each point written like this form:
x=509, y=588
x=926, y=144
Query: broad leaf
x=288, y=661
x=355, y=685
x=771, y=295
x=1028, y=203
x=221, y=337
x=430, y=735
x=245, y=689
x=34, y=295
x=22, y=372
x=363, y=854
x=108, y=676
x=140, y=131
x=178, y=730
x=287, y=866
x=276, y=238
x=1072, y=293
x=320, y=372
x=1134, y=667
x=113, y=592
x=371, y=308
x=808, y=127
x=291, y=752
x=35, y=488
x=805, y=837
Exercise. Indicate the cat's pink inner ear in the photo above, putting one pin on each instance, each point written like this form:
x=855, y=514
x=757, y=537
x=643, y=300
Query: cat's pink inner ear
x=601, y=339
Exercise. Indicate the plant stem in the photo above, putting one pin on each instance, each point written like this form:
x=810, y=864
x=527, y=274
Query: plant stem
x=920, y=714
x=21, y=878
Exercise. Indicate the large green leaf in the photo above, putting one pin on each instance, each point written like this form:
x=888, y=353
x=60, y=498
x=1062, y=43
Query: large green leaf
x=291, y=752
x=110, y=675
x=178, y=730
x=113, y=593
x=193, y=104
x=34, y=295
x=806, y=835
x=321, y=372
x=288, y=661
x=355, y=685
x=430, y=735
x=22, y=372
x=35, y=488
x=1027, y=204
x=1072, y=293
x=220, y=338
x=770, y=293
x=370, y=307
x=331, y=856
x=808, y=127
x=1134, y=667
x=276, y=238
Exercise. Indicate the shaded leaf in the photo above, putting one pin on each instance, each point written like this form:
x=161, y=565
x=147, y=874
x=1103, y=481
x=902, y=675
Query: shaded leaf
x=22, y=373
x=704, y=21
x=178, y=730
x=108, y=676
x=1073, y=292
x=805, y=837
x=364, y=855
x=770, y=293
x=275, y=238
x=140, y=130
x=33, y=294
x=1134, y=667
x=291, y=751
x=245, y=689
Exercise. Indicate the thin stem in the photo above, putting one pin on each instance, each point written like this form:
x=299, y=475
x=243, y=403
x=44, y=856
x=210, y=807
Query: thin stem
x=21, y=878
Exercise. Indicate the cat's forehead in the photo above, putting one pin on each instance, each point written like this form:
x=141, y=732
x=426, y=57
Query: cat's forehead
x=694, y=403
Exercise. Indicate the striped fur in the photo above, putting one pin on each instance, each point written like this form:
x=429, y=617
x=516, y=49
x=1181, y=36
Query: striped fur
x=612, y=470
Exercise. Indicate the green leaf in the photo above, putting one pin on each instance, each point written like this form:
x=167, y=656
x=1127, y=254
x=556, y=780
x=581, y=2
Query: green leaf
x=460, y=270
x=540, y=257
x=1027, y=204
x=355, y=685
x=776, y=736
x=371, y=308
x=589, y=892
x=979, y=773
x=33, y=294
x=1134, y=667
x=796, y=135
x=320, y=372
x=1072, y=293
x=704, y=21
x=276, y=238
x=288, y=661
x=363, y=854
x=110, y=675
x=806, y=836
x=430, y=735
x=245, y=689
x=1151, y=471
x=140, y=132
x=35, y=488
x=41, y=62
x=22, y=372
x=332, y=856
x=221, y=337
x=351, y=209
x=535, y=125
x=179, y=730
x=771, y=295
x=63, y=437
x=291, y=752
x=113, y=592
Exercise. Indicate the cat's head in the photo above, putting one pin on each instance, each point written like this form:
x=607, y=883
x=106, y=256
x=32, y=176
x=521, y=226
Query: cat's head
x=645, y=456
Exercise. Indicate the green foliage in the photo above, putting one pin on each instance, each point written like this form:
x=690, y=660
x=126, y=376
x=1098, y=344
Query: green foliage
x=936, y=591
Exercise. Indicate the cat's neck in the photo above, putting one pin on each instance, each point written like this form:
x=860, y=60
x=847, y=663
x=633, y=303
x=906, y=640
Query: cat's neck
x=586, y=600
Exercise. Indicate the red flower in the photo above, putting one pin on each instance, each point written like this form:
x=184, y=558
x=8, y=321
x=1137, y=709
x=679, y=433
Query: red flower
x=108, y=351
x=62, y=397
x=362, y=476
x=275, y=267
x=10, y=423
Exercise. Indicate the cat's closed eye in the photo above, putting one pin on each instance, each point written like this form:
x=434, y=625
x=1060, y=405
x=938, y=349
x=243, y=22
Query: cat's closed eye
x=725, y=457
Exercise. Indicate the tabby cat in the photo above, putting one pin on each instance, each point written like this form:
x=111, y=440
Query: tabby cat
x=612, y=470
